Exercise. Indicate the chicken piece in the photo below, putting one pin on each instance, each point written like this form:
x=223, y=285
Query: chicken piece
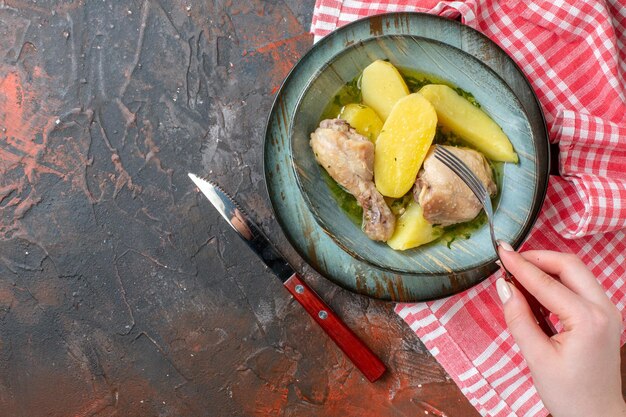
x=445, y=198
x=349, y=159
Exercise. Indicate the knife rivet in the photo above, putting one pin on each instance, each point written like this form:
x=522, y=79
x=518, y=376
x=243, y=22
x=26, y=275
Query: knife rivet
x=299, y=289
x=323, y=314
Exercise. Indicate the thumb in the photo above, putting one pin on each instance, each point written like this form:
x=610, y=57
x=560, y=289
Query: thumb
x=532, y=341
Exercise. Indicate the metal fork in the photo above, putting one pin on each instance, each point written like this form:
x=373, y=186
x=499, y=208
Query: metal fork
x=457, y=166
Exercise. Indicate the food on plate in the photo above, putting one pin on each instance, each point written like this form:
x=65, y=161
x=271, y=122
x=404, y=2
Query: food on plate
x=401, y=147
x=381, y=87
x=363, y=119
x=444, y=197
x=469, y=122
x=376, y=142
x=412, y=229
x=348, y=157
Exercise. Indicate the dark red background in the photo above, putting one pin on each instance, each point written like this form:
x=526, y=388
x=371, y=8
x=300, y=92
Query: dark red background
x=122, y=293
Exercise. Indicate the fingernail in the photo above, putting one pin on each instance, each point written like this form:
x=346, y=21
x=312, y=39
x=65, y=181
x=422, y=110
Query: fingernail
x=497, y=262
x=504, y=291
x=505, y=246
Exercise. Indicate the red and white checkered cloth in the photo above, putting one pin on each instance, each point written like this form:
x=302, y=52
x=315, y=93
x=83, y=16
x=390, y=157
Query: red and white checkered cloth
x=574, y=54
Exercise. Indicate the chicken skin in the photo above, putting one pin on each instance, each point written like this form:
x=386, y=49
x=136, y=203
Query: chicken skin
x=348, y=157
x=444, y=197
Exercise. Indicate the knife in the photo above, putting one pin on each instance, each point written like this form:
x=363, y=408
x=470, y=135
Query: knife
x=361, y=355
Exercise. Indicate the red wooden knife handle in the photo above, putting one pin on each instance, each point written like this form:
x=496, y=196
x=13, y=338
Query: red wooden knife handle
x=362, y=357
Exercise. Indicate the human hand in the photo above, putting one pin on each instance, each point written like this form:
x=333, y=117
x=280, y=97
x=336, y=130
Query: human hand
x=576, y=372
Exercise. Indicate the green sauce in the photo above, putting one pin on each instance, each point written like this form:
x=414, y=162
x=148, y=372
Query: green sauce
x=415, y=80
x=345, y=200
x=351, y=93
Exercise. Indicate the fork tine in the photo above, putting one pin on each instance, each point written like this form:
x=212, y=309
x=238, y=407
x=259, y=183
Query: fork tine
x=474, y=183
x=463, y=168
x=460, y=167
x=452, y=162
x=469, y=178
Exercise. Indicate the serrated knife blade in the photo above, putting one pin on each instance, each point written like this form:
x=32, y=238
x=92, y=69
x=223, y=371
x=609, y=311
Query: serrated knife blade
x=238, y=219
x=361, y=355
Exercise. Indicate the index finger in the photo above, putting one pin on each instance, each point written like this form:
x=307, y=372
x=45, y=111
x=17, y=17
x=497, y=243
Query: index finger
x=551, y=293
x=572, y=272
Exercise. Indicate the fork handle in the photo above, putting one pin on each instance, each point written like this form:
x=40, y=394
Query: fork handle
x=542, y=314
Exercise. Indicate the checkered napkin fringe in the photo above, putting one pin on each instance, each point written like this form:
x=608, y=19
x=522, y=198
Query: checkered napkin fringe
x=574, y=54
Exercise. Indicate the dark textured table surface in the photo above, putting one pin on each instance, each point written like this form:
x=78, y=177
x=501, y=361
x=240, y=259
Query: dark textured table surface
x=122, y=292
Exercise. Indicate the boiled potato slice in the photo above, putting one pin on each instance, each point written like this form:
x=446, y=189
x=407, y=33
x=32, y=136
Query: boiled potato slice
x=402, y=145
x=413, y=230
x=381, y=87
x=363, y=119
x=469, y=122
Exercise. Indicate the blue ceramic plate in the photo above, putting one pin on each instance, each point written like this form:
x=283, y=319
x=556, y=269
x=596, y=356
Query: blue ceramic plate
x=307, y=209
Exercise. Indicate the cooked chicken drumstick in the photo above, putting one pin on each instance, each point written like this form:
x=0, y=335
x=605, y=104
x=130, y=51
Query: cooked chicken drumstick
x=349, y=159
